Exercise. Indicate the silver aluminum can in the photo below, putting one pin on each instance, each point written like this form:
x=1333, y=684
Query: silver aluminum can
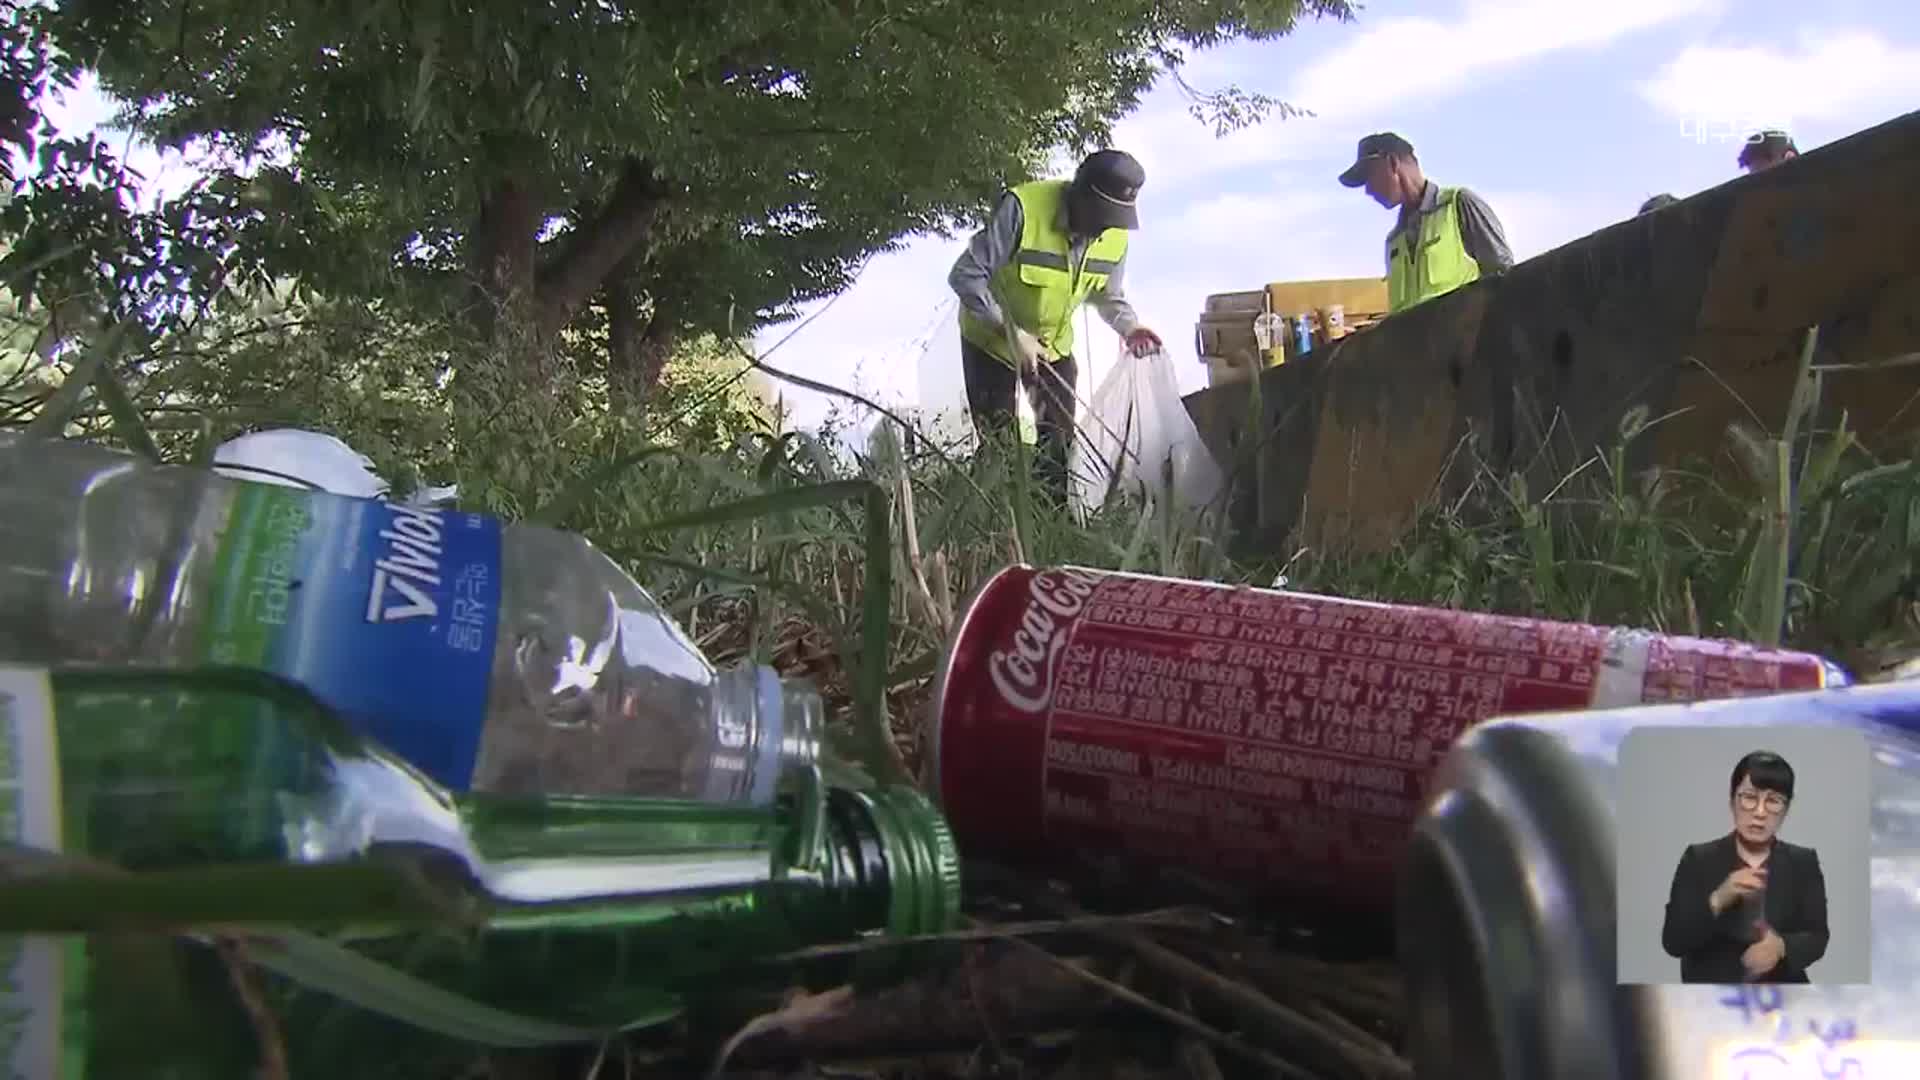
x=1507, y=908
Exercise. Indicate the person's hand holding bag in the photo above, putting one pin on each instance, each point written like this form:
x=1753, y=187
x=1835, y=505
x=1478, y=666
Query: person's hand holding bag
x=1141, y=341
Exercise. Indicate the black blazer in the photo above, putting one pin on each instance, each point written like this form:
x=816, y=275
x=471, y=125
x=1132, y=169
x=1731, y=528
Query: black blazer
x=1709, y=947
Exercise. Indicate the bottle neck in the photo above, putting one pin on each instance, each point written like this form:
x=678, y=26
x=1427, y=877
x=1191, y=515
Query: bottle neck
x=765, y=729
x=884, y=861
x=529, y=855
x=557, y=854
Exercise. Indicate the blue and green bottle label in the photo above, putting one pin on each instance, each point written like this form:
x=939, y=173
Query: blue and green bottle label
x=384, y=611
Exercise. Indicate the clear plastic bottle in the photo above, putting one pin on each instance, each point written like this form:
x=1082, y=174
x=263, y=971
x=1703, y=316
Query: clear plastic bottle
x=505, y=658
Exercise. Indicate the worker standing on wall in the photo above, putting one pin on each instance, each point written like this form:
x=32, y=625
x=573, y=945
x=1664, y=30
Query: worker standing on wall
x=1050, y=246
x=1445, y=236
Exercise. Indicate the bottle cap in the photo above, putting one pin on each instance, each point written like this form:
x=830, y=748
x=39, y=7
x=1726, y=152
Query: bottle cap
x=922, y=860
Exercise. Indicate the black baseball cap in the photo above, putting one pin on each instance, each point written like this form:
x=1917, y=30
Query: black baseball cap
x=1109, y=182
x=1377, y=145
x=1771, y=144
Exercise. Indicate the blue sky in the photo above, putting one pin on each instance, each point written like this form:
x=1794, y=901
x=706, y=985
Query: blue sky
x=1564, y=114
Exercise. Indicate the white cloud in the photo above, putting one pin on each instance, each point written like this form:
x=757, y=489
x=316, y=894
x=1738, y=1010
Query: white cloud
x=1838, y=79
x=1374, y=73
x=1406, y=59
x=1180, y=151
x=1236, y=217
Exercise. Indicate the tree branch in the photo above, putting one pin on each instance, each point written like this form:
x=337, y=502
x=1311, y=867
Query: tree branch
x=503, y=252
x=637, y=349
x=595, y=247
x=623, y=327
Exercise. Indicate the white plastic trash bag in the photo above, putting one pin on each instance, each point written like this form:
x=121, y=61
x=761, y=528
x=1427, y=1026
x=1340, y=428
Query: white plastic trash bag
x=293, y=457
x=1139, y=438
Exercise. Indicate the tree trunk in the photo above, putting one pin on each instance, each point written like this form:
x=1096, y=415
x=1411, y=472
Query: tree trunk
x=656, y=348
x=522, y=304
x=638, y=348
x=503, y=268
x=601, y=248
x=624, y=329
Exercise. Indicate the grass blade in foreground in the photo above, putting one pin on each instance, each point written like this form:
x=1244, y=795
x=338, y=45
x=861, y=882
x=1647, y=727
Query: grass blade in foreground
x=321, y=965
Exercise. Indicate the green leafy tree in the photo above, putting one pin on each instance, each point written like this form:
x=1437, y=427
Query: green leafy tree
x=669, y=170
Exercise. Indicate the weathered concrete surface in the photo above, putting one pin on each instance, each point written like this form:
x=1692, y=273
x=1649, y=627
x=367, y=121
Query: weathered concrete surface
x=1696, y=311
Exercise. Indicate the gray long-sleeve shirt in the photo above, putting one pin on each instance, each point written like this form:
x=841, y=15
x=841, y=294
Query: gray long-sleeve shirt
x=1480, y=231
x=993, y=246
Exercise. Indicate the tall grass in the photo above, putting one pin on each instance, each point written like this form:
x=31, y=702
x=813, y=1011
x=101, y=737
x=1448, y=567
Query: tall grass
x=1800, y=537
x=851, y=566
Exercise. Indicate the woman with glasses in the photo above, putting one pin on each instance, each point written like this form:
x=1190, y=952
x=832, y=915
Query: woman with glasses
x=1749, y=906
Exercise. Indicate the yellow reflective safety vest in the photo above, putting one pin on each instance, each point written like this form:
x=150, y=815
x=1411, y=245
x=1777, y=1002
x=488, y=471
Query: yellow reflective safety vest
x=1039, y=288
x=1438, y=264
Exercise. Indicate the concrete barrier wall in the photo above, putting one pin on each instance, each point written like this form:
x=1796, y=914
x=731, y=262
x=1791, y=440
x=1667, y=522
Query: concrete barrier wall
x=1696, y=311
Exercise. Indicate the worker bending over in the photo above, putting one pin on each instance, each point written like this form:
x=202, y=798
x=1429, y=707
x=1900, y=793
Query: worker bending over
x=1050, y=246
x=1445, y=236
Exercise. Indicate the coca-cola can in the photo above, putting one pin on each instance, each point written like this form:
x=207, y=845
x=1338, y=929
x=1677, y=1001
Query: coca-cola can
x=1273, y=740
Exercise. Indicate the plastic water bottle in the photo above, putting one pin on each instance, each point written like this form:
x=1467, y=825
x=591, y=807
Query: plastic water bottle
x=507, y=658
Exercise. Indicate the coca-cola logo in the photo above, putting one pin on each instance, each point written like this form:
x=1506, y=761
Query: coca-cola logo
x=1024, y=673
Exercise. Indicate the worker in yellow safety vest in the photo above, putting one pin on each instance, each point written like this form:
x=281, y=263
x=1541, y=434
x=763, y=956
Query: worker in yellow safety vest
x=1050, y=246
x=1444, y=238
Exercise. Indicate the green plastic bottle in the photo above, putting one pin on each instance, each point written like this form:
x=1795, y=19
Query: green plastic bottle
x=156, y=808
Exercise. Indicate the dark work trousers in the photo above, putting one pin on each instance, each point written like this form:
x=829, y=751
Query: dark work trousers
x=991, y=385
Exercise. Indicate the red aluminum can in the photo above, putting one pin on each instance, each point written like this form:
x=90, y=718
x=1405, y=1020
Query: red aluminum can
x=1275, y=740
